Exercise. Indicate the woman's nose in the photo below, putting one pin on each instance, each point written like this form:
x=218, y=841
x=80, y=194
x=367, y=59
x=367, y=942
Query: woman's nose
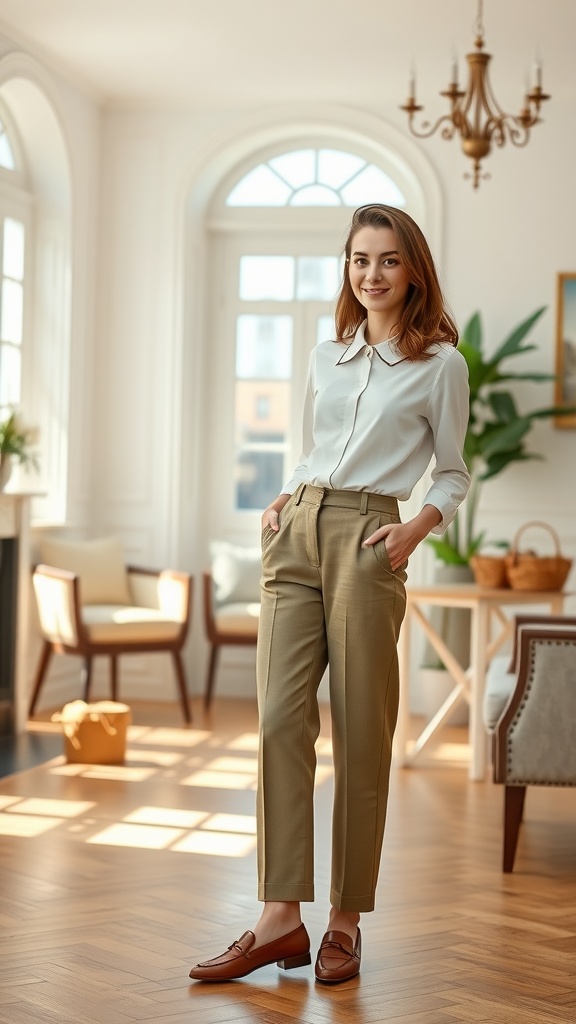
x=375, y=272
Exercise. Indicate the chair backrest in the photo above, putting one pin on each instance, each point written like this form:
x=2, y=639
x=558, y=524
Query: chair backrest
x=236, y=573
x=98, y=563
x=534, y=739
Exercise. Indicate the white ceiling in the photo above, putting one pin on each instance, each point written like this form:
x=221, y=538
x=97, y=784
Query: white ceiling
x=237, y=52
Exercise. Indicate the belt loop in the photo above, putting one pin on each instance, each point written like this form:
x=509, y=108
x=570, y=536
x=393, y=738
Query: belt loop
x=299, y=492
x=363, y=502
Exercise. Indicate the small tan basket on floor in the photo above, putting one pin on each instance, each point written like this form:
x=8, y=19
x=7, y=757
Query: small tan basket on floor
x=489, y=571
x=528, y=571
x=94, y=733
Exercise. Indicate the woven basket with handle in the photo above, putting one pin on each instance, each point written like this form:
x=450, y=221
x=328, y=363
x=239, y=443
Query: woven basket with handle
x=528, y=571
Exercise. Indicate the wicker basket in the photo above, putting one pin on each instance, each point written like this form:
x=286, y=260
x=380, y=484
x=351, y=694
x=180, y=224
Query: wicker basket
x=527, y=571
x=489, y=571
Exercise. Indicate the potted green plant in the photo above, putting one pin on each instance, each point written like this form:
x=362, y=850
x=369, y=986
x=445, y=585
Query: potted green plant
x=17, y=444
x=497, y=430
x=495, y=438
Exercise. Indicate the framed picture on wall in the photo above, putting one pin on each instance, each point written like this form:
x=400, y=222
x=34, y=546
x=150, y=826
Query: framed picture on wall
x=566, y=347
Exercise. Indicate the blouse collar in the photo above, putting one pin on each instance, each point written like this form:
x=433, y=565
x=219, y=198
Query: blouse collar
x=387, y=350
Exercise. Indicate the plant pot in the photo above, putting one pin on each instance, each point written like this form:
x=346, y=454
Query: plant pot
x=6, y=466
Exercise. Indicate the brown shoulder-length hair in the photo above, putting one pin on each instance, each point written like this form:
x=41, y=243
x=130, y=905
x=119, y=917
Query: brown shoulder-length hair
x=425, y=318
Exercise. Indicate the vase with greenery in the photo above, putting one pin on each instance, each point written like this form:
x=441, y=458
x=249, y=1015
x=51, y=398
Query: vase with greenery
x=17, y=444
x=497, y=430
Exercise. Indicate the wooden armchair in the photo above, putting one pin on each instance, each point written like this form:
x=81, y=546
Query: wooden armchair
x=533, y=734
x=89, y=604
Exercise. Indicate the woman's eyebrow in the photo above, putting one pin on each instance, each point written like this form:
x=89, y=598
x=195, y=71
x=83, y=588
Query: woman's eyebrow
x=392, y=252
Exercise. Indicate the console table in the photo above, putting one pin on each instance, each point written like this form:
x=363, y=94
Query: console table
x=490, y=628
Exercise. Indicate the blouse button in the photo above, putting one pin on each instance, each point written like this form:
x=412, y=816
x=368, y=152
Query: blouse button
x=369, y=353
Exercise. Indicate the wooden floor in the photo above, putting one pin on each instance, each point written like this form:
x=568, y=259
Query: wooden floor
x=114, y=881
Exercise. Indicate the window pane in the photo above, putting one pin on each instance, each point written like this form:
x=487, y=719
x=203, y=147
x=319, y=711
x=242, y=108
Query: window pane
x=317, y=277
x=255, y=397
x=264, y=347
x=10, y=375
x=315, y=195
x=12, y=305
x=297, y=168
x=13, y=254
x=325, y=330
x=259, y=478
x=267, y=277
x=372, y=186
x=262, y=414
x=6, y=154
x=260, y=187
x=335, y=168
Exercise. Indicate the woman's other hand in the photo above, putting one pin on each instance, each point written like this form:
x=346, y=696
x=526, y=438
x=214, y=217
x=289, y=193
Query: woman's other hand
x=271, y=515
x=403, y=538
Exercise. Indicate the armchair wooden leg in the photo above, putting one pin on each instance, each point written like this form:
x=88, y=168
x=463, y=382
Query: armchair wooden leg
x=87, y=677
x=514, y=797
x=181, y=677
x=114, y=675
x=45, y=659
x=211, y=675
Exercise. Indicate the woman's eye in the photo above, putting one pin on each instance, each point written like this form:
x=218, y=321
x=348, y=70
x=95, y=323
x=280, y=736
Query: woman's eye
x=390, y=263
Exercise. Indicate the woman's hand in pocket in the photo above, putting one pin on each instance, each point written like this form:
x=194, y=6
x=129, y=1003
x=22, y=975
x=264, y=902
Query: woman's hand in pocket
x=271, y=515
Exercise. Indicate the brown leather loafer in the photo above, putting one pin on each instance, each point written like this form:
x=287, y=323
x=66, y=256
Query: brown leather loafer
x=338, y=957
x=289, y=951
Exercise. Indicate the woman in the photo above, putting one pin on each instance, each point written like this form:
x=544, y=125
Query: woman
x=386, y=396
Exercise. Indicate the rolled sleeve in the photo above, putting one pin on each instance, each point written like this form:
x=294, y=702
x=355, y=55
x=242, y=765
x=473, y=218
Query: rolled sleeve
x=448, y=411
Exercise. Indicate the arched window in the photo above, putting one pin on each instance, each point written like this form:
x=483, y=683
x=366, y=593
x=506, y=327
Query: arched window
x=6, y=152
x=315, y=177
x=35, y=288
x=15, y=203
x=277, y=226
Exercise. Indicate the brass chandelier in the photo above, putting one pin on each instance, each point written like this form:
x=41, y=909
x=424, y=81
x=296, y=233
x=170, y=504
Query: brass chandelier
x=475, y=114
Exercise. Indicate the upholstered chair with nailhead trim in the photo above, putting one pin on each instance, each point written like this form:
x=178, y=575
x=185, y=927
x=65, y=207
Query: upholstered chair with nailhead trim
x=530, y=708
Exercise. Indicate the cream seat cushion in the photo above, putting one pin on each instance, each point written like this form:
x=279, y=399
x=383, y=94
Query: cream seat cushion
x=98, y=563
x=240, y=618
x=499, y=685
x=128, y=624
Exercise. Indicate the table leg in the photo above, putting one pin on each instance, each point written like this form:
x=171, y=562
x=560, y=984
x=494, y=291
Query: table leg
x=478, y=664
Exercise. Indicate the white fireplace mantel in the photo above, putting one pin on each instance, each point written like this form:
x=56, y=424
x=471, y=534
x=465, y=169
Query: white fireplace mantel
x=15, y=523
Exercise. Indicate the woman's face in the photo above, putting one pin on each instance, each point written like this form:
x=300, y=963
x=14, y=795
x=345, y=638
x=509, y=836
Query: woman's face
x=377, y=277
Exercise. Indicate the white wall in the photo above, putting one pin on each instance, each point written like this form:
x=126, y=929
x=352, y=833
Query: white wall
x=140, y=340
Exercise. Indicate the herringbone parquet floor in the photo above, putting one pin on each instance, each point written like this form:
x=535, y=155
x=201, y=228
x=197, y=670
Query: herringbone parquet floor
x=115, y=880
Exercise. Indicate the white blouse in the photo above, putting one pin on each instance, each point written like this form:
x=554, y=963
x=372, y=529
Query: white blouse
x=373, y=420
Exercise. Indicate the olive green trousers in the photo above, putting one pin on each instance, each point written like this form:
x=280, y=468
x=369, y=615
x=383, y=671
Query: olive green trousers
x=326, y=600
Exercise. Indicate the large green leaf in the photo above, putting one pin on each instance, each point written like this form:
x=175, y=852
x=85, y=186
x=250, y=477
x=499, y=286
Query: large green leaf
x=472, y=333
x=499, y=460
x=553, y=410
x=503, y=406
x=537, y=377
x=503, y=438
x=513, y=342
